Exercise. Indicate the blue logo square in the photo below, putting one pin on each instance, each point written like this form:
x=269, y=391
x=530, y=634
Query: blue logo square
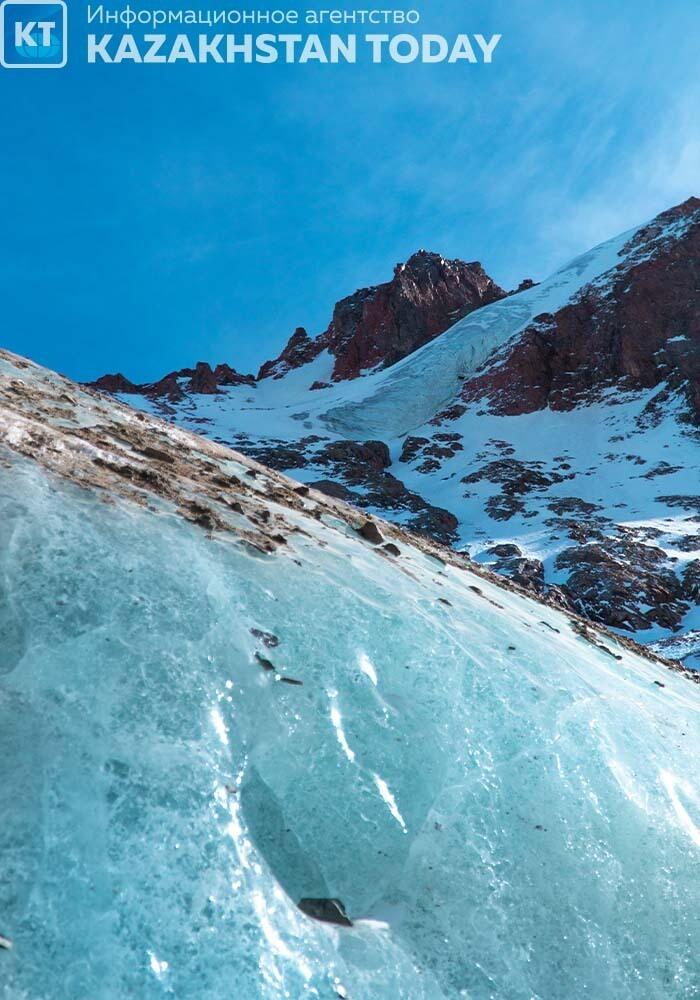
x=33, y=35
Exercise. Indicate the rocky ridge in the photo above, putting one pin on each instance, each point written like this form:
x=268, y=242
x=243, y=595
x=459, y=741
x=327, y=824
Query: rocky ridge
x=638, y=330
x=375, y=326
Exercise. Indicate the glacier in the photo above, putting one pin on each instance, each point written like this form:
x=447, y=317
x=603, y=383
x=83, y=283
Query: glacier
x=217, y=697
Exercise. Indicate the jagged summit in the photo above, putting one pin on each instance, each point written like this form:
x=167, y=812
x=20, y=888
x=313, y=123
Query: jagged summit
x=375, y=326
x=299, y=350
x=379, y=325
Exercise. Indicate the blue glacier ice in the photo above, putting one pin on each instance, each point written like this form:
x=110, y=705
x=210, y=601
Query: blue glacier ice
x=506, y=802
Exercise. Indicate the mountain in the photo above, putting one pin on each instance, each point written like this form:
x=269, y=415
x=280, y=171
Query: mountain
x=378, y=326
x=229, y=703
x=375, y=327
x=551, y=434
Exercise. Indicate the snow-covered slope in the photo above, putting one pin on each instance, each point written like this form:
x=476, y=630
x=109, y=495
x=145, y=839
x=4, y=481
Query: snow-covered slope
x=218, y=698
x=552, y=434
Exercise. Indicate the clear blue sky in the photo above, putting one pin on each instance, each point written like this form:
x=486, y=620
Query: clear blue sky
x=155, y=216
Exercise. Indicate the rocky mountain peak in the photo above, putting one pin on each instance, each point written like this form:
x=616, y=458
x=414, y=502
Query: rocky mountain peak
x=374, y=327
x=381, y=324
x=203, y=380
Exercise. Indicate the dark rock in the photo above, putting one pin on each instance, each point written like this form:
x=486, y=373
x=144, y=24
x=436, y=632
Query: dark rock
x=583, y=531
x=515, y=477
x=268, y=639
x=623, y=584
x=114, y=383
x=168, y=386
x=264, y=662
x=571, y=505
x=435, y=522
x=370, y=532
x=225, y=375
x=510, y=562
x=411, y=447
x=691, y=582
x=202, y=515
x=203, y=381
x=331, y=911
x=688, y=543
x=524, y=286
x=392, y=549
x=157, y=454
x=335, y=490
x=278, y=455
x=685, y=502
x=298, y=351
x=640, y=331
x=362, y=466
x=502, y=508
x=527, y=573
x=366, y=454
x=433, y=452
x=662, y=469
x=504, y=550
x=384, y=323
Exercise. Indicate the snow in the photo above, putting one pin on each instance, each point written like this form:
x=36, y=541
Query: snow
x=505, y=808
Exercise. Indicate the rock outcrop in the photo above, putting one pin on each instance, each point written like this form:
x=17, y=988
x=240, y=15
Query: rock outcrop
x=200, y=380
x=381, y=324
x=298, y=351
x=639, y=330
x=115, y=384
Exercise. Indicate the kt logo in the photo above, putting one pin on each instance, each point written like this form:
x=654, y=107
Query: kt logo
x=33, y=35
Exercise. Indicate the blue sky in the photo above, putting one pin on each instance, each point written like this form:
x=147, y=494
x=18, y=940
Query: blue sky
x=160, y=215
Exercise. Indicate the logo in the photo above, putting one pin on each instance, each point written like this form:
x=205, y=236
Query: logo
x=33, y=35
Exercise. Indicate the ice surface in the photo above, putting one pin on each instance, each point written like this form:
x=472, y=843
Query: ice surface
x=505, y=809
